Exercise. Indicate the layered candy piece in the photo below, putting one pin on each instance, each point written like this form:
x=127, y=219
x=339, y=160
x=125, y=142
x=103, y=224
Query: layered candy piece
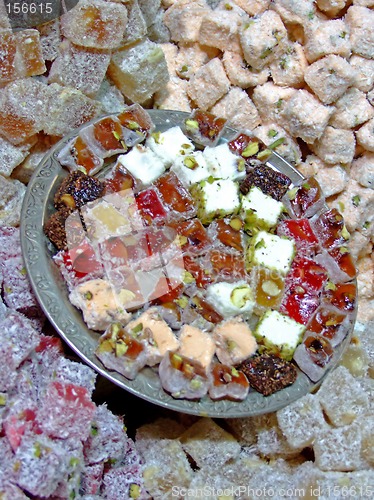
x=204, y=128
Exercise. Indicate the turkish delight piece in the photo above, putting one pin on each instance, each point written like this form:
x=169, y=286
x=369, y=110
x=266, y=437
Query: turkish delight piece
x=79, y=67
x=139, y=71
x=124, y=482
x=107, y=438
x=150, y=206
x=204, y=128
x=165, y=464
x=330, y=229
x=71, y=372
x=136, y=27
x=11, y=156
x=343, y=296
x=136, y=119
x=259, y=210
x=228, y=383
x=95, y=23
x=210, y=200
x=91, y=479
x=338, y=449
x=66, y=411
x=17, y=291
x=161, y=428
x=106, y=137
x=18, y=336
x=120, y=351
x=314, y=355
x=302, y=421
x=268, y=373
x=41, y=465
x=175, y=196
x=271, y=251
x=50, y=39
x=342, y=397
x=23, y=109
x=208, y=444
x=68, y=109
x=10, y=242
x=183, y=377
x=11, y=198
x=8, y=370
x=169, y=144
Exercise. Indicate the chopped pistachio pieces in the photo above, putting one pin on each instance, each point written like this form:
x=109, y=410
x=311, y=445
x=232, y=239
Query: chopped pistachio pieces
x=251, y=149
x=356, y=200
x=240, y=296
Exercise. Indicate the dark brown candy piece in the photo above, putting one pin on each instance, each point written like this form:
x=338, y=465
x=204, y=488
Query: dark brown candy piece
x=54, y=228
x=268, y=374
x=77, y=189
x=271, y=182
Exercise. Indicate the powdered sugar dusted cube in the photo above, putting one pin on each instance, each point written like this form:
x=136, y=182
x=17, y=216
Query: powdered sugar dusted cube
x=208, y=444
x=329, y=77
x=124, y=482
x=338, y=449
x=327, y=37
x=240, y=73
x=22, y=109
x=293, y=11
x=364, y=69
x=40, y=465
x=91, y=479
x=66, y=411
x=165, y=465
x=72, y=372
x=184, y=19
x=342, y=397
x=365, y=135
x=17, y=290
x=352, y=109
x=262, y=39
x=336, y=145
x=18, y=336
x=302, y=421
x=107, y=438
x=11, y=198
x=95, y=23
x=8, y=370
x=220, y=29
x=162, y=428
x=353, y=483
x=288, y=70
x=238, y=108
x=11, y=156
x=136, y=27
x=50, y=39
x=208, y=84
x=79, y=67
x=68, y=109
x=288, y=149
x=271, y=443
x=304, y=116
x=361, y=21
x=111, y=99
x=139, y=71
x=271, y=100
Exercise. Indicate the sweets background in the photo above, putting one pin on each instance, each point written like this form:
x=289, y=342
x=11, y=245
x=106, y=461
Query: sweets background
x=76, y=77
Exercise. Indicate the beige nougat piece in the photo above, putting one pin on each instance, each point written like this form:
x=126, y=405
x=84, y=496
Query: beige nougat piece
x=139, y=71
x=304, y=116
x=209, y=84
x=327, y=37
x=11, y=198
x=336, y=145
x=365, y=135
x=289, y=69
x=351, y=110
x=364, y=69
x=362, y=170
x=240, y=73
x=238, y=108
x=184, y=19
x=208, y=444
x=263, y=39
x=220, y=29
x=330, y=77
x=361, y=24
x=342, y=398
x=271, y=100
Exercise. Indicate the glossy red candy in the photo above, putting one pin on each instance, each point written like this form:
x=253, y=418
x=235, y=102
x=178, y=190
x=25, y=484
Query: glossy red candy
x=344, y=260
x=307, y=274
x=150, y=206
x=299, y=304
x=119, y=181
x=82, y=260
x=301, y=232
x=326, y=322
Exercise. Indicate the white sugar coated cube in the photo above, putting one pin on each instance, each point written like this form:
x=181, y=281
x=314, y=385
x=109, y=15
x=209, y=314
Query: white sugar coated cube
x=170, y=144
x=231, y=299
x=222, y=164
x=143, y=164
x=271, y=251
x=338, y=449
x=191, y=169
x=216, y=198
x=260, y=209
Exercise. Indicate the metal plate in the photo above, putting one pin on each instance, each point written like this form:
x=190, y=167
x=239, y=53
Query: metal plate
x=52, y=294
